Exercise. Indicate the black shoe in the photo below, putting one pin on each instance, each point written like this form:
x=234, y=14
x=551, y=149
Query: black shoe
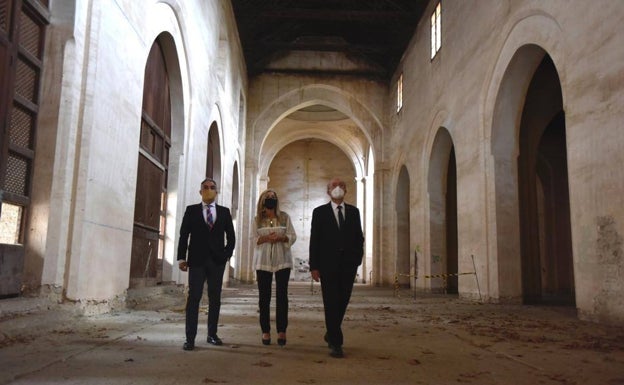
x=336, y=352
x=267, y=340
x=188, y=346
x=281, y=339
x=214, y=340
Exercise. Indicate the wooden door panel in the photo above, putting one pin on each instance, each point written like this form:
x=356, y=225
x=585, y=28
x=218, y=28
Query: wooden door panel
x=148, y=194
x=146, y=222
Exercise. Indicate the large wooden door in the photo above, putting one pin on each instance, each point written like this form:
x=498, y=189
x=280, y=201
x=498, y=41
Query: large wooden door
x=151, y=189
x=22, y=39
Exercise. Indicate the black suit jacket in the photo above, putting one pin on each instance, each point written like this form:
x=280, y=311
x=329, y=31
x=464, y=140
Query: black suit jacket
x=216, y=244
x=331, y=248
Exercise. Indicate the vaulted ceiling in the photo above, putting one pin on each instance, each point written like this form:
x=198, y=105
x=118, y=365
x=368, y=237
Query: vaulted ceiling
x=373, y=32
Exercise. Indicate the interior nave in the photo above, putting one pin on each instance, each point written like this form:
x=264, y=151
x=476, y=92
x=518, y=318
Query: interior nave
x=480, y=140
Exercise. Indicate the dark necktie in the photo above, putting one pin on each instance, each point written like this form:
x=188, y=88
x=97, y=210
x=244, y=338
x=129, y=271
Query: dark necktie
x=340, y=217
x=209, y=220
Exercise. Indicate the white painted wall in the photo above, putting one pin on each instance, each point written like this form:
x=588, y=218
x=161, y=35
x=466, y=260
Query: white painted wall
x=97, y=61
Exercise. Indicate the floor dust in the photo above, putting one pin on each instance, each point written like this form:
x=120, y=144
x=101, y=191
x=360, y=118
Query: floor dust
x=404, y=339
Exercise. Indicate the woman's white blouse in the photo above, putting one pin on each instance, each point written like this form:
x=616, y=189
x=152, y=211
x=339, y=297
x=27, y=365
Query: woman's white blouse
x=274, y=256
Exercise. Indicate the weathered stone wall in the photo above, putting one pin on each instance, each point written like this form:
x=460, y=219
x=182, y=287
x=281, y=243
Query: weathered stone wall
x=474, y=89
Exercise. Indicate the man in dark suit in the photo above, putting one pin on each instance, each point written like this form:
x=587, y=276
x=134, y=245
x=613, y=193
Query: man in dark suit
x=212, y=243
x=336, y=251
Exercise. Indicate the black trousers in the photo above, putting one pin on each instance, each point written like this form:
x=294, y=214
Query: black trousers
x=336, y=288
x=213, y=275
x=265, y=280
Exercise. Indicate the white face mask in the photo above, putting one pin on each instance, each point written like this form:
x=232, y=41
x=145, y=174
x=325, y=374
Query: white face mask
x=337, y=193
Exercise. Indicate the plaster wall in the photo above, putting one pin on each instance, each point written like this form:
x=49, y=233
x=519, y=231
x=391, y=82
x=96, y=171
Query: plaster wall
x=80, y=226
x=98, y=52
x=460, y=89
x=299, y=173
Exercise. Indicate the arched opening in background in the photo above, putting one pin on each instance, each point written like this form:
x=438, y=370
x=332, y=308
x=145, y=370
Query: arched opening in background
x=213, y=157
x=442, y=188
x=544, y=205
x=368, y=216
x=451, y=226
x=332, y=116
x=234, y=261
x=402, y=207
x=299, y=173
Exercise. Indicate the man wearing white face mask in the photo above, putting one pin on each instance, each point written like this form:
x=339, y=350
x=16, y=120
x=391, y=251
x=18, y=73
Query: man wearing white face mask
x=336, y=251
x=211, y=230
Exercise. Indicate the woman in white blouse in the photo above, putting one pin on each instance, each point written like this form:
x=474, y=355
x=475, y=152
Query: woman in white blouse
x=274, y=236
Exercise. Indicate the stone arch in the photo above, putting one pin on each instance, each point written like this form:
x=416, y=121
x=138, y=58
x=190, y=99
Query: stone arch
x=162, y=21
x=330, y=96
x=271, y=150
x=403, y=263
x=528, y=41
x=545, y=228
x=172, y=54
x=150, y=261
x=213, y=154
x=215, y=151
x=442, y=213
x=238, y=210
x=267, y=145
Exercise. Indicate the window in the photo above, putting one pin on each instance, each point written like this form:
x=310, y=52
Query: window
x=400, y=93
x=436, y=30
x=10, y=223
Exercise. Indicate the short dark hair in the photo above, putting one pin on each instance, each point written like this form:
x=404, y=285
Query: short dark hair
x=209, y=180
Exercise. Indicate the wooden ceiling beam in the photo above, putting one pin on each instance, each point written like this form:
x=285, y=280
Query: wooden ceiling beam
x=328, y=15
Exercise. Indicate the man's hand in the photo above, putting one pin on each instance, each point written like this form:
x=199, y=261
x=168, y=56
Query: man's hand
x=316, y=275
x=183, y=265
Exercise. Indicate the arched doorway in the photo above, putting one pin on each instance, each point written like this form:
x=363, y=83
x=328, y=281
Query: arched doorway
x=331, y=114
x=451, y=225
x=402, y=207
x=235, y=260
x=442, y=188
x=213, y=157
x=545, y=228
x=151, y=190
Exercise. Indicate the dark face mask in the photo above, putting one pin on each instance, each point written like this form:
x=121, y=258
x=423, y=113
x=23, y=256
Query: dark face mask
x=270, y=203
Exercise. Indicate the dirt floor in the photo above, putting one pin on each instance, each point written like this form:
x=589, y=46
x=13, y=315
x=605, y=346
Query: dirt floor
x=427, y=339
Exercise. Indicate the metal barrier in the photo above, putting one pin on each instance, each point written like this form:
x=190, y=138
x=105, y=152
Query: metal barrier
x=443, y=276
